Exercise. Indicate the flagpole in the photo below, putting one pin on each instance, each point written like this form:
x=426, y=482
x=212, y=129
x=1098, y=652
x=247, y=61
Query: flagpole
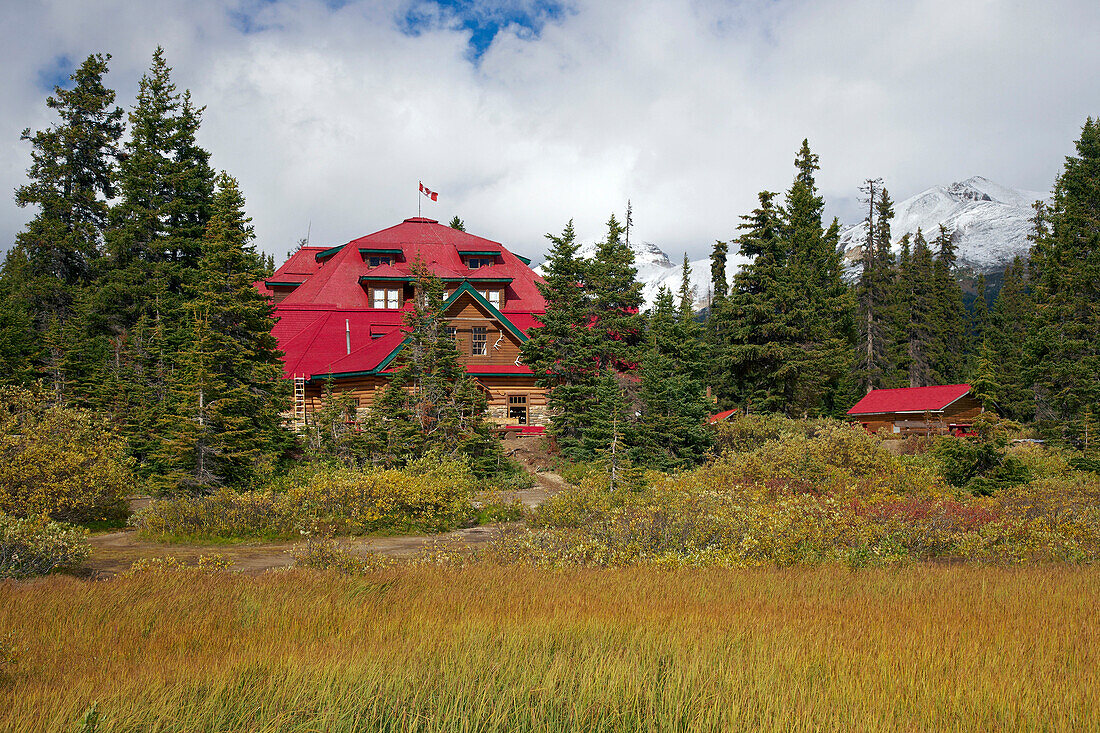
x=418, y=202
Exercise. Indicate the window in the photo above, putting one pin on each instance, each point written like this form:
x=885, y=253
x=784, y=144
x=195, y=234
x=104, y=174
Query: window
x=385, y=298
x=478, y=340
x=379, y=260
x=452, y=333
x=476, y=262
x=517, y=409
x=493, y=296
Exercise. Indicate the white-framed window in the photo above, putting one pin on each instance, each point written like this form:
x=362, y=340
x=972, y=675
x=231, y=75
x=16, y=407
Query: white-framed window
x=386, y=298
x=452, y=333
x=493, y=296
x=517, y=409
x=478, y=340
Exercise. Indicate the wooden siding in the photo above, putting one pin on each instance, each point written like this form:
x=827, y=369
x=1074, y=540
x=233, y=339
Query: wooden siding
x=962, y=412
x=500, y=345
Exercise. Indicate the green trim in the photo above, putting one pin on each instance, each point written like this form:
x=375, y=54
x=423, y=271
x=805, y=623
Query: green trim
x=479, y=253
x=373, y=251
x=524, y=260
x=278, y=283
x=328, y=252
x=368, y=278
x=476, y=279
x=466, y=287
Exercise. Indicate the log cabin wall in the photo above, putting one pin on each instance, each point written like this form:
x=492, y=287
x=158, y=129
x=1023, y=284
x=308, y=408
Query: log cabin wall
x=499, y=393
x=964, y=410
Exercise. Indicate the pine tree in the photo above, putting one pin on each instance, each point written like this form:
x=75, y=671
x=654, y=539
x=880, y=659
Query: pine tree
x=228, y=381
x=70, y=181
x=718, y=326
x=949, y=356
x=921, y=336
x=764, y=332
x=878, y=320
x=431, y=404
x=166, y=190
x=1007, y=334
x=614, y=297
x=825, y=306
x=671, y=432
x=1064, y=343
x=562, y=350
x=457, y=223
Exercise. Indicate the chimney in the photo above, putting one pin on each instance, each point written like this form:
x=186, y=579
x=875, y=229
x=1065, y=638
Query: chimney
x=347, y=333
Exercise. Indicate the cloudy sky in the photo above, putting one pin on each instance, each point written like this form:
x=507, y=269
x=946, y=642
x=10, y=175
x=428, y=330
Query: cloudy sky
x=526, y=113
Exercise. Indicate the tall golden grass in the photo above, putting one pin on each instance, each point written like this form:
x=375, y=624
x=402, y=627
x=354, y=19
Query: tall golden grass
x=512, y=648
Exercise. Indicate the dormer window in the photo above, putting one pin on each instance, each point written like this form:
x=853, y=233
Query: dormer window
x=386, y=297
x=379, y=260
x=493, y=296
x=475, y=263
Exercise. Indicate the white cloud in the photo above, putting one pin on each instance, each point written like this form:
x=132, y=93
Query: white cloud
x=329, y=116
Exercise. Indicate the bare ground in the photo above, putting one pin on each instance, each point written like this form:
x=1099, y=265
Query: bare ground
x=114, y=552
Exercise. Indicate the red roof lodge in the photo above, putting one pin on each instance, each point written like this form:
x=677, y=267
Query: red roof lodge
x=340, y=311
x=922, y=410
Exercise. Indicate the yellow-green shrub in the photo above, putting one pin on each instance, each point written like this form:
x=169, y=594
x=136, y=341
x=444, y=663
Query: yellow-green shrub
x=58, y=461
x=826, y=493
x=37, y=546
x=428, y=495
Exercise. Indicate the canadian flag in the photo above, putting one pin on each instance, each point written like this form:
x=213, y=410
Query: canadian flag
x=433, y=195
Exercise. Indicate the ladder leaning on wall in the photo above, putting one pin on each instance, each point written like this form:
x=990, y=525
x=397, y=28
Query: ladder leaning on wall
x=299, y=402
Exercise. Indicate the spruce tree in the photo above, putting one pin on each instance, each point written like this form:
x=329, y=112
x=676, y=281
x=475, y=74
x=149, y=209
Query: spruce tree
x=950, y=354
x=1064, y=342
x=561, y=351
x=671, y=432
x=223, y=418
x=921, y=334
x=718, y=326
x=431, y=404
x=877, y=321
x=1007, y=335
x=764, y=328
x=70, y=181
x=825, y=306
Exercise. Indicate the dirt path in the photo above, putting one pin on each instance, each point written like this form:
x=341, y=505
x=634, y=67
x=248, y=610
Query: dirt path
x=114, y=552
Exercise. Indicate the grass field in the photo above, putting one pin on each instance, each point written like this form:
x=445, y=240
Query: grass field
x=509, y=648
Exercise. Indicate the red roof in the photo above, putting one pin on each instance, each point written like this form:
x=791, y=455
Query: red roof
x=721, y=416
x=910, y=399
x=332, y=299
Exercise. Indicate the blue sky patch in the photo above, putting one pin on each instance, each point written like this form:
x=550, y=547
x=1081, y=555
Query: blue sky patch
x=483, y=20
x=56, y=73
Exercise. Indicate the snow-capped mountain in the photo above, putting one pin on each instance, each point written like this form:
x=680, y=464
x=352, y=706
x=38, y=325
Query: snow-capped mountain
x=990, y=222
x=655, y=270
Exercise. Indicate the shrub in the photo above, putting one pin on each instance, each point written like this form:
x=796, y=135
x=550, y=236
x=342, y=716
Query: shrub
x=822, y=493
x=981, y=466
x=225, y=513
x=61, y=462
x=37, y=546
x=429, y=496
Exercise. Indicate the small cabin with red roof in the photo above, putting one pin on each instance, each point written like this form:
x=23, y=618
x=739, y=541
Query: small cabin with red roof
x=340, y=314
x=949, y=408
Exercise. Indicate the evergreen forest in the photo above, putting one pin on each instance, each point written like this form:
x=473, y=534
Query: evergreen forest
x=129, y=295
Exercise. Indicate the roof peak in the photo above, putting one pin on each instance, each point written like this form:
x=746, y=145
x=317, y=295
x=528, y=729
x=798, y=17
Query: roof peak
x=421, y=220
